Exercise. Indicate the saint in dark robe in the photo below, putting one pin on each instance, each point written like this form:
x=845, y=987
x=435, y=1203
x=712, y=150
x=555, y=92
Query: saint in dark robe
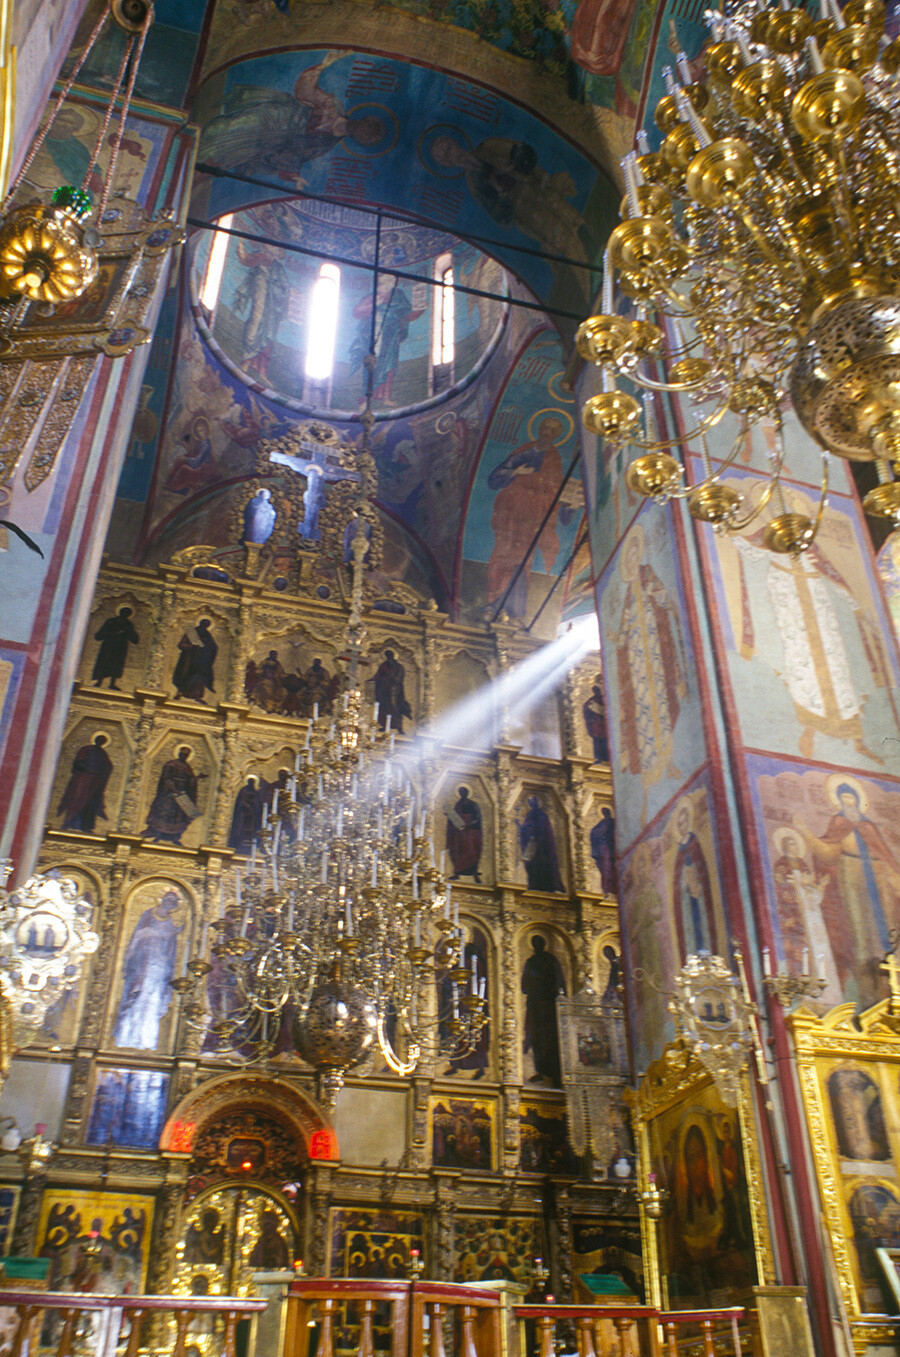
x=114, y=635
x=594, y=712
x=175, y=804
x=542, y=980
x=204, y=1240
x=538, y=845
x=194, y=669
x=603, y=850
x=82, y=802
x=246, y=819
x=259, y=517
x=464, y=836
x=270, y=1250
x=147, y=968
x=389, y=692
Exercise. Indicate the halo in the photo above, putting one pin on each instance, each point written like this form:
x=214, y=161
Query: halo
x=183, y=744
x=564, y=397
x=839, y=779
x=427, y=140
x=636, y=535
x=443, y=424
x=551, y=412
x=392, y=130
x=780, y=834
x=684, y=801
x=104, y=733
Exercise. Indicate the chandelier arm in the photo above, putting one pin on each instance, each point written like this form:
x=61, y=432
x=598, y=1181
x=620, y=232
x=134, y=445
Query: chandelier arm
x=658, y=444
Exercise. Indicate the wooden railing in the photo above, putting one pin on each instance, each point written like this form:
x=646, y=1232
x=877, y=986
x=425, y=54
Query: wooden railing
x=414, y=1313
x=626, y=1330
x=32, y=1308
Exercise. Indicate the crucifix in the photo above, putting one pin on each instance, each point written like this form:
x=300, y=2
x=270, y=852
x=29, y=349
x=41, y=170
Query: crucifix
x=892, y=966
x=320, y=465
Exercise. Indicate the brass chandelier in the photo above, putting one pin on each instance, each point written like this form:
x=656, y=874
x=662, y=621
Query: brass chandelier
x=340, y=927
x=759, y=262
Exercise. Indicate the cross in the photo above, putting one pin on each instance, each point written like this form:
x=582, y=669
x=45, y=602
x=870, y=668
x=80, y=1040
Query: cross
x=320, y=466
x=892, y=967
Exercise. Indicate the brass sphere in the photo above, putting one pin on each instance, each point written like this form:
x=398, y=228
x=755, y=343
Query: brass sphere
x=687, y=373
x=759, y=89
x=612, y=414
x=601, y=339
x=719, y=170
x=653, y=201
x=723, y=62
x=788, y=534
x=845, y=375
x=714, y=503
x=680, y=146
x=870, y=13
x=639, y=243
x=667, y=114
x=884, y=501
x=337, y=1027
x=855, y=48
x=828, y=106
x=654, y=475
x=787, y=30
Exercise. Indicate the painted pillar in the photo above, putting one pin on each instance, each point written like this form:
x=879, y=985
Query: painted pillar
x=45, y=602
x=755, y=746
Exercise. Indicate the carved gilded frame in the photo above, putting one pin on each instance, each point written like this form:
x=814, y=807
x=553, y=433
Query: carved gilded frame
x=845, y=1040
x=678, y=1078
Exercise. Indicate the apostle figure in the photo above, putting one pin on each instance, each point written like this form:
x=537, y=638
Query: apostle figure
x=194, y=670
x=538, y=845
x=594, y=711
x=692, y=892
x=259, y=517
x=114, y=636
x=246, y=818
x=389, y=693
x=175, y=804
x=603, y=850
x=267, y=691
x=318, y=688
x=464, y=836
x=82, y=802
x=542, y=980
x=147, y=968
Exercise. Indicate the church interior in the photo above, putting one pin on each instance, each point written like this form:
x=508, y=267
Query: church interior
x=464, y=860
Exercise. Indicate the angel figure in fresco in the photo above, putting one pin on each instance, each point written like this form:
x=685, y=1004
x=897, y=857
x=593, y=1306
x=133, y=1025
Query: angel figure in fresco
x=267, y=131
x=650, y=670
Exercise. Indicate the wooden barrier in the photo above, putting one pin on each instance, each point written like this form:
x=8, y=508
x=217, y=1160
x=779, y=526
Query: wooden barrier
x=415, y=1313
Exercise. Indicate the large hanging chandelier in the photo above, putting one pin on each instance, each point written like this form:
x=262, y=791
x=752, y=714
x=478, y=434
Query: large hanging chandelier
x=759, y=260
x=338, y=931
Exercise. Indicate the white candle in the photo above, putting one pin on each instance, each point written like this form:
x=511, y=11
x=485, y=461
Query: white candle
x=409, y=843
x=324, y=869
x=474, y=964
x=418, y=930
x=348, y=918
x=806, y=961
x=375, y=714
x=245, y=921
x=387, y=723
x=415, y=882
x=354, y=787
x=274, y=874
x=455, y=1001
x=340, y=820
x=277, y=838
x=265, y=816
x=237, y=886
x=456, y=914
x=297, y=760
x=482, y=987
x=301, y=823
x=321, y=787
x=447, y=904
x=606, y=302
x=374, y=869
x=203, y=937
x=290, y=920
x=767, y=969
x=443, y=861
x=315, y=711
x=275, y=801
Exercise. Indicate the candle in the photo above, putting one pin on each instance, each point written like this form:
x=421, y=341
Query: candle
x=418, y=930
x=606, y=303
x=348, y=918
x=324, y=869
x=301, y=823
x=203, y=937
x=387, y=723
x=253, y=857
x=393, y=738
x=447, y=903
x=443, y=861
x=340, y=820
x=455, y=1002
x=354, y=787
x=275, y=801
x=297, y=760
x=290, y=920
x=375, y=714
x=409, y=843
x=245, y=922
x=767, y=969
x=806, y=961
x=474, y=964
x=415, y=881
x=315, y=711
x=274, y=874
x=277, y=838
x=631, y=184
x=265, y=816
x=321, y=787
x=482, y=987
x=456, y=914
x=237, y=886
x=375, y=869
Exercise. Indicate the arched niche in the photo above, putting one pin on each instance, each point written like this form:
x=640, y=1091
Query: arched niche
x=213, y=1100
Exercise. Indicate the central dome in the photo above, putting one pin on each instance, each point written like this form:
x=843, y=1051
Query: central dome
x=253, y=289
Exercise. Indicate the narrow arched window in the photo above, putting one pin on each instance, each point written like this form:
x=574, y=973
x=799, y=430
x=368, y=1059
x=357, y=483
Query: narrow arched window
x=323, y=318
x=443, y=327
x=215, y=265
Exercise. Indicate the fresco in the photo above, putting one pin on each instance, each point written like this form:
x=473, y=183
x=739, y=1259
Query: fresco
x=462, y=1133
x=128, y=1108
x=543, y=1147
x=529, y=445
x=659, y=734
x=831, y=853
x=167, y=59
x=545, y=972
x=672, y=906
x=340, y=124
x=814, y=625
x=498, y=1248
x=706, y=1231
x=889, y=570
x=154, y=939
x=116, y=1228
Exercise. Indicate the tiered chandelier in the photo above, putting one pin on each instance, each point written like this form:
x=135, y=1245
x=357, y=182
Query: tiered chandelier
x=759, y=260
x=341, y=928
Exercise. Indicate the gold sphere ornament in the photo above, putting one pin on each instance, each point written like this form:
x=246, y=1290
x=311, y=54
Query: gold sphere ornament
x=612, y=414
x=43, y=255
x=789, y=534
x=654, y=476
x=883, y=501
x=714, y=503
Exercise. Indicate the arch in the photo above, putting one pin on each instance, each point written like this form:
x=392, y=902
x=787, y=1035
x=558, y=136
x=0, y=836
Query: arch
x=202, y=1105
